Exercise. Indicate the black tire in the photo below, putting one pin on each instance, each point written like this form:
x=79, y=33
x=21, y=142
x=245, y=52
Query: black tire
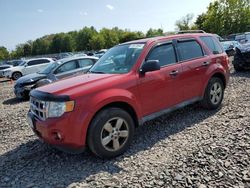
x=209, y=102
x=97, y=131
x=16, y=75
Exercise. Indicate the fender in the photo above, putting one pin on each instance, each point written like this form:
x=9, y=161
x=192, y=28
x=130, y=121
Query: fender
x=101, y=99
x=216, y=68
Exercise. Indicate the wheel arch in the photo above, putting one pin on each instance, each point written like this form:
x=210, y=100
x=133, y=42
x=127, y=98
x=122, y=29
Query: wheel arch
x=219, y=75
x=17, y=71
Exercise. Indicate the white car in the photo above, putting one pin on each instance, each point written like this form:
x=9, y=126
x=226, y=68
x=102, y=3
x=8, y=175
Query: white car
x=27, y=67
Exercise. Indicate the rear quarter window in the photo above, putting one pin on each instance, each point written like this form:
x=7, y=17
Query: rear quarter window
x=212, y=44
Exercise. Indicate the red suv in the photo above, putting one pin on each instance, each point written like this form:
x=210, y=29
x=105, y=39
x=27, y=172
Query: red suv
x=132, y=83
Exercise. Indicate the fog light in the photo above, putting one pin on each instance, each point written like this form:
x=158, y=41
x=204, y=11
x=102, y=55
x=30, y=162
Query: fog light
x=57, y=136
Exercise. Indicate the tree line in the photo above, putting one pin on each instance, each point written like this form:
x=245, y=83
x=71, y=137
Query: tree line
x=222, y=17
x=86, y=39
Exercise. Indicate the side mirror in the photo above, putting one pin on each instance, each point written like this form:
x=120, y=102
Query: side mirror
x=150, y=66
x=25, y=65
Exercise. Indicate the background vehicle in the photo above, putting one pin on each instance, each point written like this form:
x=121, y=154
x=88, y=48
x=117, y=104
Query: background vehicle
x=54, y=71
x=230, y=47
x=131, y=83
x=100, y=53
x=241, y=59
x=240, y=37
x=27, y=67
x=9, y=64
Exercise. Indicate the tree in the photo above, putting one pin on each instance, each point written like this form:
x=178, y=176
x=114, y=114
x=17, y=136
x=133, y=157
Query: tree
x=4, y=54
x=83, y=38
x=185, y=22
x=225, y=17
x=110, y=37
x=40, y=46
x=27, y=49
x=154, y=32
x=97, y=42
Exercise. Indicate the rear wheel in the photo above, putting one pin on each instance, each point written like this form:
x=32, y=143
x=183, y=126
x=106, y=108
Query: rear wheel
x=16, y=75
x=214, y=93
x=110, y=132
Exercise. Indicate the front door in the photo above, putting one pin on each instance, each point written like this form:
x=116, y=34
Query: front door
x=160, y=89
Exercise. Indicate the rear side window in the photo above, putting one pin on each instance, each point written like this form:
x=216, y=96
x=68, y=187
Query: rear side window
x=85, y=63
x=69, y=66
x=164, y=53
x=212, y=44
x=37, y=62
x=189, y=49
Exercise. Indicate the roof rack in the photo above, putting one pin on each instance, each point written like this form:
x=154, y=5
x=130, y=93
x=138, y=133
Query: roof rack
x=190, y=31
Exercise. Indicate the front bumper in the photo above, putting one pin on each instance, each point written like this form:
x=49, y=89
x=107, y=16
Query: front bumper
x=64, y=132
x=21, y=92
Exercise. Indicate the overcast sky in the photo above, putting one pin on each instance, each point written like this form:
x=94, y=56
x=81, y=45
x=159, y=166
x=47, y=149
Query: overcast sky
x=23, y=20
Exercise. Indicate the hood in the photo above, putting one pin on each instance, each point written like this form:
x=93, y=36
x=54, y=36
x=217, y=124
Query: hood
x=7, y=66
x=17, y=68
x=30, y=78
x=80, y=83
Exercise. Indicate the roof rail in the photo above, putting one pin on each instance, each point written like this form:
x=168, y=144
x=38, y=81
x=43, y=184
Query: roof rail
x=190, y=31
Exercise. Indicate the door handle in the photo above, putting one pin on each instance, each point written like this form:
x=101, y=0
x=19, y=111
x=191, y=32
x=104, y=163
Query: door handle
x=206, y=63
x=174, y=72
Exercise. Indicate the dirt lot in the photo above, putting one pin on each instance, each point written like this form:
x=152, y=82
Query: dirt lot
x=191, y=147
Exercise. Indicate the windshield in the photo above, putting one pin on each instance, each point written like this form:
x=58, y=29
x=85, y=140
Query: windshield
x=49, y=68
x=22, y=64
x=118, y=60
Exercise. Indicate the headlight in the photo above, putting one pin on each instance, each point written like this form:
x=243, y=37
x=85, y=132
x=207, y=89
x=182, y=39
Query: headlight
x=29, y=87
x=57, y=109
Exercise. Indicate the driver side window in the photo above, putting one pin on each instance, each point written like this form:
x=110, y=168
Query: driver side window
x=164, y=53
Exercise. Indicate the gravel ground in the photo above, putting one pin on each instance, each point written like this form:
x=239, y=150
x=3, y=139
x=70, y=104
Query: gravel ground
x=191, y=147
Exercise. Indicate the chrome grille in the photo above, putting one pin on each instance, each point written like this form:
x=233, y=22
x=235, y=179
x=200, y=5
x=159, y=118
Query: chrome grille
x=38, y=108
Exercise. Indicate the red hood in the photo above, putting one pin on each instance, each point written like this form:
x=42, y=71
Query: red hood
x=74, y=84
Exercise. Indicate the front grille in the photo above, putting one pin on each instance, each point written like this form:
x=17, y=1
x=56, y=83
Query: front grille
x=38, y=108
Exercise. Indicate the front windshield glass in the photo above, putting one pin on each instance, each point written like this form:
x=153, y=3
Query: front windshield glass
x=49, y=68
x=118, y=60
x=22, y=64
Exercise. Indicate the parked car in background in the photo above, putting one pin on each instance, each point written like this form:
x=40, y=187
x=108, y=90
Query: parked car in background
x=130, y=84
x=230, y=47
x=240, y=37
x=100, y=53
x=9, y=64
x=54, y=71
x=26, y=67
x=241, y=59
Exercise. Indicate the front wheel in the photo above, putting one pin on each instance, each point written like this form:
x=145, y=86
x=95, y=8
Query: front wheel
x=214, y=94
x=110, y=132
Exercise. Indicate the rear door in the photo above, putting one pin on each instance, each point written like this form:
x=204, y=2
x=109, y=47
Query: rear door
x=66, y=69
x=35, y=66
x=160, y=89
x=194, y=64
x=85, y=65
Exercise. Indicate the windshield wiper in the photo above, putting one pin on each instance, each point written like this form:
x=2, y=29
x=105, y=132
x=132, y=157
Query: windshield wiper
x=97, y=72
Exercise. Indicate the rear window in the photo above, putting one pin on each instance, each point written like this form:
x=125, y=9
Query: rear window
x=212, y=44
x=189, y=49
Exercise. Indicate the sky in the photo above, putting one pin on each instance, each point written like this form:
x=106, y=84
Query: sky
x=23, y=20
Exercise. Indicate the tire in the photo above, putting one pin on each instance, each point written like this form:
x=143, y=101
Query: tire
x=237, y=68
x=16, y=75
x=110, y=133
x=214, y=94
